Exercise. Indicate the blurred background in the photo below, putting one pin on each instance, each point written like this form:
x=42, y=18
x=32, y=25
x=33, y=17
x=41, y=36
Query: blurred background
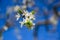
x=47, y=20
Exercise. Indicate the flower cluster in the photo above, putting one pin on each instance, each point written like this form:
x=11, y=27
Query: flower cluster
x=28, y=18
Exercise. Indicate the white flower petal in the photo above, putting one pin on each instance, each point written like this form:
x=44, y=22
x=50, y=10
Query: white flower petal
x=16, y=8
x=33, y=23
x=17, y=16
x=5, y=28
x=22, y=23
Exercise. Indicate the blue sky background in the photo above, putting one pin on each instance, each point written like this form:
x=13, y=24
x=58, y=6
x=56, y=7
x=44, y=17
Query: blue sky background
x=24, y=32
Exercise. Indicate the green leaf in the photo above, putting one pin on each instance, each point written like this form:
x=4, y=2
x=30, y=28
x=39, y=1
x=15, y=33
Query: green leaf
x=29, y=24
x=20, y=11
x=33, y=12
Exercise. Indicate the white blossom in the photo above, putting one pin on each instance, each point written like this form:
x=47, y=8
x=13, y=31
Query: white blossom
x=5, y=28
x=33, y=23
x=22, y=23
x=18, y=16
x=28, y=18
x=53, y=20
x=24, y=7
x=28, y=14
x=16, y=8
